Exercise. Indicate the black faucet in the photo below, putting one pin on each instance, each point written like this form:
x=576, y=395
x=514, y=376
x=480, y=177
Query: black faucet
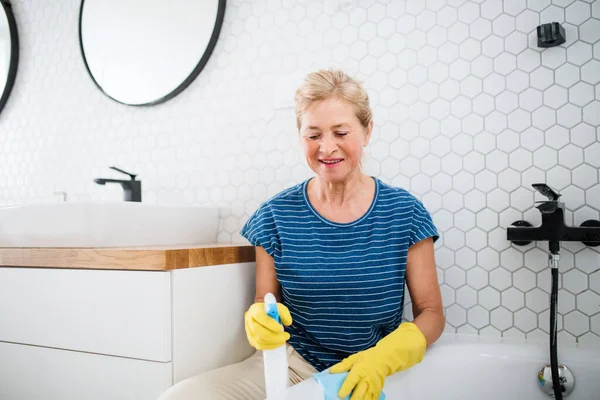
x=132, y=189
x=553, y=228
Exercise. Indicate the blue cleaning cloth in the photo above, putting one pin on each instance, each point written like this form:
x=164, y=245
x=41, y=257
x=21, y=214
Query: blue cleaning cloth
x=331, y=384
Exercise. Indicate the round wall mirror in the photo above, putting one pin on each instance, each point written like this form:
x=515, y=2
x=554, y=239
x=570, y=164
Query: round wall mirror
x=145, y=52
x=9, y=51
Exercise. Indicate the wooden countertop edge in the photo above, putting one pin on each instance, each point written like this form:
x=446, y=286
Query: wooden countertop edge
x=134, y=259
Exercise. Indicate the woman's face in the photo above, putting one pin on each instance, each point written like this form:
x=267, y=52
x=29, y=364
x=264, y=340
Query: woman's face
x=333, y=138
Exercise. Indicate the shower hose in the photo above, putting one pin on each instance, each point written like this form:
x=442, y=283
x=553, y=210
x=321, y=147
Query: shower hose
x=553, y=324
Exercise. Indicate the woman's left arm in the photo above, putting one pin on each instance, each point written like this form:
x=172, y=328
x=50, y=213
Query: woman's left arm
x=404, y=347
x=422, y=282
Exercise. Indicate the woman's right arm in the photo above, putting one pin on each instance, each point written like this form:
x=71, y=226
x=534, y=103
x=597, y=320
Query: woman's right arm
x=264, y=332
x=266, y=280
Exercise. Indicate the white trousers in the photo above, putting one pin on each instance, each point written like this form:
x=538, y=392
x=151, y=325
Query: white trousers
x=242, y=381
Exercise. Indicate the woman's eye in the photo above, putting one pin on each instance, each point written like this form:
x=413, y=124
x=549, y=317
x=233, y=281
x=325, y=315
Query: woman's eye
x=313, y=137
x=341, y=133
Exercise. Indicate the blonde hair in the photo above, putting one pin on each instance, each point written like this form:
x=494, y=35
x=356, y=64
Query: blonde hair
x=326, y=83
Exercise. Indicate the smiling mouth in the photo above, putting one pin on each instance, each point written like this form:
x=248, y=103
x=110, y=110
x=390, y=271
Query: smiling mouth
x=332, y=162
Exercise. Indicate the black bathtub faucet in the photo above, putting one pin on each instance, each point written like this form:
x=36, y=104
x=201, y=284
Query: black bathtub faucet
x=553, y=227
x=554, y=230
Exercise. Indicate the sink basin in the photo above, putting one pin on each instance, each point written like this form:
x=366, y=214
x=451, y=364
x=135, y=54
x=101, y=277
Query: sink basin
x=105, y=224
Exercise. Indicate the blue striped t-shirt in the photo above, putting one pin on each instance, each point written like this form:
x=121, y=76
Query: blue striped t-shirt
x=342, y=282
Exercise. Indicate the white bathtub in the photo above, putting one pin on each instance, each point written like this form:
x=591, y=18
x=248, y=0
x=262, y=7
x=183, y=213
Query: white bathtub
x=466, y=367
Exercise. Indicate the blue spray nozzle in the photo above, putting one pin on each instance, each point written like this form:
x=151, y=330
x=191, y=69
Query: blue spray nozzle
x=271, y=307
x=273, y=312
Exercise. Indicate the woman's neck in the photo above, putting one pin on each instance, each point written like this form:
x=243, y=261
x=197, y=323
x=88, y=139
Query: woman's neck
x=342, y=192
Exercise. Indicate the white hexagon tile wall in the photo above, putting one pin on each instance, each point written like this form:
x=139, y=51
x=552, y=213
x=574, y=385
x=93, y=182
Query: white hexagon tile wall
x=469, y=112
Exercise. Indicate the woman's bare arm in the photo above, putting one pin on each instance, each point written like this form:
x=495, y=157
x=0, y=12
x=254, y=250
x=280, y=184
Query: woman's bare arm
x=266, y=280
x=422, y=282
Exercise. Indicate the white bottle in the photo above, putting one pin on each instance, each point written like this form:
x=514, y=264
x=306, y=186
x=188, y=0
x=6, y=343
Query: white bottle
x=275, y=361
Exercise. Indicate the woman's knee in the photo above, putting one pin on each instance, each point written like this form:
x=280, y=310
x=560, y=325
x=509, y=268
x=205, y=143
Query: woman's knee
x=237, y=381
x=188, y=389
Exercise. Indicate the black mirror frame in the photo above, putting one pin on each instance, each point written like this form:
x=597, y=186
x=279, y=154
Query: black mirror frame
x=14, y=52
x=199, y=67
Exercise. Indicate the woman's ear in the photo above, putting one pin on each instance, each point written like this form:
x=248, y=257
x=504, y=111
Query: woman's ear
x=368, y=131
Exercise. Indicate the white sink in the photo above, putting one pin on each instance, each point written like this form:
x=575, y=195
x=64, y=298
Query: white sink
x=119, y=224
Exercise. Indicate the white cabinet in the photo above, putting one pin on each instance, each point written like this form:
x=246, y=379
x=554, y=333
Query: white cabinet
x=121, y=313
x=208, y=317
x=105, y=334
x=31, y=373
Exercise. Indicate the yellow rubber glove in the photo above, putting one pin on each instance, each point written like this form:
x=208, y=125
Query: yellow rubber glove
x=396, y=352
x=263, y=332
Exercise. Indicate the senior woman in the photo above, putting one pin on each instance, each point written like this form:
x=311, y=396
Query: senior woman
x=337, y=251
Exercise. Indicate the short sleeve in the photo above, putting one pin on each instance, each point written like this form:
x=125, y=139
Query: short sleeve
x=261, y=230
x=422, y=224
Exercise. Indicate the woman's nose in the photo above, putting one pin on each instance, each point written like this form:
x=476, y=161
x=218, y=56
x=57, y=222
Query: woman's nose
x=328, y=145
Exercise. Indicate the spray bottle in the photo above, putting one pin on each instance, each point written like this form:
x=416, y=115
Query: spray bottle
x=275, y=361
